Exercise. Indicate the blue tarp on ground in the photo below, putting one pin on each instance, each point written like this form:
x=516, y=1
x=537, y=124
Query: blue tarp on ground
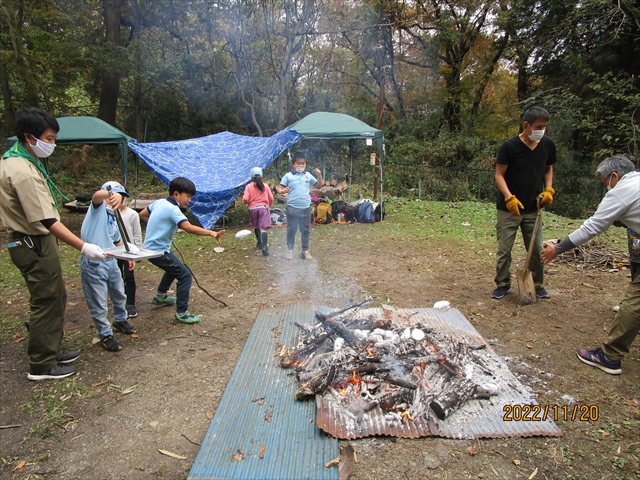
x=218, y=164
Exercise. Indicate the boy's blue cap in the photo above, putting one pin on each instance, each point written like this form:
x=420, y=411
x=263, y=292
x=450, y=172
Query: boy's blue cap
x=256, y=172
x=115, y=187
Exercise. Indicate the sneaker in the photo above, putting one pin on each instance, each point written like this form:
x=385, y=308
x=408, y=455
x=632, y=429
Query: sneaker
x=131, y=311
x=597, y=358
x=110, y=344
x=124, y=327
x=187, y=318
x=541, y=292
x=306, y=255
x=54, y=373
x=164, y=300
x=265, y=252
x=289, y=255
x=500, y=292
x=67, y=357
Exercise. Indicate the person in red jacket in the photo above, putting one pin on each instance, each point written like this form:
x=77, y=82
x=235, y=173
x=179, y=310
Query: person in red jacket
x=259, y=198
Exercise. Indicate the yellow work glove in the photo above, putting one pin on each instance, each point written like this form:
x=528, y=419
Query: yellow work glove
x=546, y=197
x=514, y=205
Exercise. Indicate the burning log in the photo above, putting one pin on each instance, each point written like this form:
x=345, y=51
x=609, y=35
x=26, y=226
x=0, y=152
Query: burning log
x=452, y=397
x=317, y=384
x=390, y=400
x=336, y=326
x=401, y=382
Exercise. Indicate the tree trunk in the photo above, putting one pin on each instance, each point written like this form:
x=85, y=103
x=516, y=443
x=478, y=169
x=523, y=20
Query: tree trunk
x=137, y=86
x=8, y=101
x=111, y=78
x=14, y=24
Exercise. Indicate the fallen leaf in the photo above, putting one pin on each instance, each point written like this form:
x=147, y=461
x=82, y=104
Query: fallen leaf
x=472, y=450
x=18, y=340
x=210, y=415
x=172, y=455
x=95, y=340
x=333, y=463
x=135, y=335
x=229, y=296
x=262, y=450
x=533, y=474
x=268, y=416
x=516, y=462
x=529, y=345
x=606, y=434
x=632, y=403
x=20, y=465
x=99, y=383
x=238, y=457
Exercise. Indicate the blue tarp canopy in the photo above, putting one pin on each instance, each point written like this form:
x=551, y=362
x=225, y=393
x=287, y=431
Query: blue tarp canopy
x=218, y=164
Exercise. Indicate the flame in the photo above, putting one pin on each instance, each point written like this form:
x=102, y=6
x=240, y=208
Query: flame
x=370, y=352
x=433, y=346
x=406, y=415
x=282, y=353
x=299, y=362
x=344, y=392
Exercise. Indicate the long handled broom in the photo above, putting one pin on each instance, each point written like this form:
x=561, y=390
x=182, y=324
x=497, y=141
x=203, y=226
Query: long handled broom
x=526, y=286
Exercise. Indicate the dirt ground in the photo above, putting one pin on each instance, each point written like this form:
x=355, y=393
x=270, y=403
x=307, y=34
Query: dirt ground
x=160, y=391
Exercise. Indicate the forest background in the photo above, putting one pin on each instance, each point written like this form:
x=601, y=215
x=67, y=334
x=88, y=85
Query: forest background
x=447, y=80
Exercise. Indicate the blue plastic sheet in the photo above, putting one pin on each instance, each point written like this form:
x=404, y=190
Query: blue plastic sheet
x=218, y=164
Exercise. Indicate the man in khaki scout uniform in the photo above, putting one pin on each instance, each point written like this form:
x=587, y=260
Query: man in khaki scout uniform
x=28, y=212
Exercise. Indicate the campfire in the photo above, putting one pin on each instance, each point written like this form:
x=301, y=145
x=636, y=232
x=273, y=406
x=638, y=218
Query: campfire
x=391, y=368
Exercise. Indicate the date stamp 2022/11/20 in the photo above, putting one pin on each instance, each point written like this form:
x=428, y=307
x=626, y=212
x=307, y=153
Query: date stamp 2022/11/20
x=538, y=413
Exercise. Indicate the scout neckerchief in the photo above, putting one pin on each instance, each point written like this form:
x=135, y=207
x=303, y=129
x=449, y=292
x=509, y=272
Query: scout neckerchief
x=19, y=151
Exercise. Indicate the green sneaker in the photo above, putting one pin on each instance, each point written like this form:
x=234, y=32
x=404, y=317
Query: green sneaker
x=186, y=318
x=164, y=300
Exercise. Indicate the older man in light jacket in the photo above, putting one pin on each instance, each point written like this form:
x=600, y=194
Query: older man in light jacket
x=622, y=204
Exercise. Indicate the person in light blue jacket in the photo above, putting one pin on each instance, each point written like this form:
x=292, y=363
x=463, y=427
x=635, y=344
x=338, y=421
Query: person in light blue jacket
x=297, y=184
x=102, y=278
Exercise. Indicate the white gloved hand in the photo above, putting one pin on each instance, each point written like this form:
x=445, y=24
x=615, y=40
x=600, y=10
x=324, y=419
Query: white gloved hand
x=93, y=252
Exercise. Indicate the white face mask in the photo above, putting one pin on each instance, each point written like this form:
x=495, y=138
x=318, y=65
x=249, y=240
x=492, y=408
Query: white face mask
x=536, y=135
x=299, y=169
x=42, y=149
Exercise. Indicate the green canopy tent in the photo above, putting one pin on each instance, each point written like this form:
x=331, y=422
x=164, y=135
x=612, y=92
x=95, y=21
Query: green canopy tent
x=90, y=131
x=331, y=126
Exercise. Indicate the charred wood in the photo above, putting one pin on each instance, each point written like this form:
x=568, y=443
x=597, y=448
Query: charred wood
x=452, y=397
x=401, y=382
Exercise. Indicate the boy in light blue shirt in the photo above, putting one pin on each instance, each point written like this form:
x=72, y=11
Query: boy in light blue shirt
x=297, y=184
x=163, y=218
x=103, y=278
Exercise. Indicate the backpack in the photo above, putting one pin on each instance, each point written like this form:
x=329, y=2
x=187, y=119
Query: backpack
x=365, y=212
x=337, y=208
x=350, y=214
x=323, y=213
x=378, y=212
x=278, y=217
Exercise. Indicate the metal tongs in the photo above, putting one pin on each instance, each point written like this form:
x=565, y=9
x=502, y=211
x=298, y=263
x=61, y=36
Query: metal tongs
x=123, y=232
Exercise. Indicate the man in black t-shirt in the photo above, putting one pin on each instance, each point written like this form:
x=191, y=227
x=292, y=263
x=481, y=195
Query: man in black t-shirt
x=524, y=171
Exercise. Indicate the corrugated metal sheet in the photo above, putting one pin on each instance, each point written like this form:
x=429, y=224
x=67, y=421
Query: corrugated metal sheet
x=258, y=408
x=478, y=418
